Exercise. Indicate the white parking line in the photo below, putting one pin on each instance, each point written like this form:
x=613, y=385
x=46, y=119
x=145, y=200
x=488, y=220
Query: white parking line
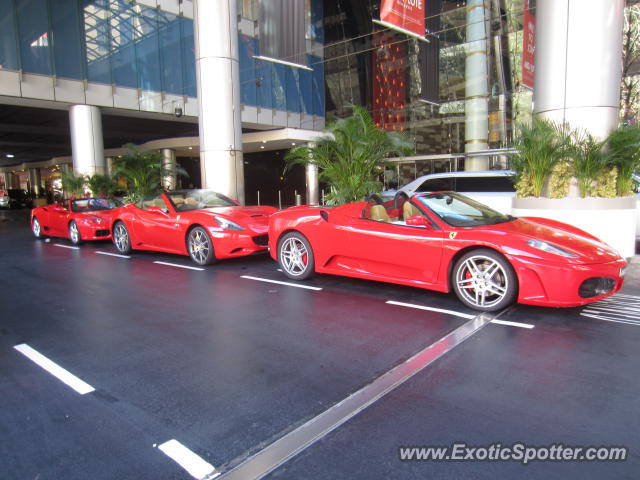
x=616, y=308
x=457, y=314
x=280, y=283
x=431, y=309
x=180, y=266
x=54, y=369
x=113, y=254
x=513, y=324
x=192, y=463
x=66, y=246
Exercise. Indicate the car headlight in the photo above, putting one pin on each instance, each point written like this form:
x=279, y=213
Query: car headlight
x=549, y=248
x=227, y=224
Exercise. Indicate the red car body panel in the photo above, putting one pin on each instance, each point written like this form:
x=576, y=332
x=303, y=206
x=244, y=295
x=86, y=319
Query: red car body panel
x=348, y=244
x=166, y=231
x=54, y=220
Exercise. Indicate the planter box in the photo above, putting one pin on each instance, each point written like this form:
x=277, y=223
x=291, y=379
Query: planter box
x=612, y=220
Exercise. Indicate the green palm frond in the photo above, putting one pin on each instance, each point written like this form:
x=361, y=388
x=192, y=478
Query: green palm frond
x=351, y=155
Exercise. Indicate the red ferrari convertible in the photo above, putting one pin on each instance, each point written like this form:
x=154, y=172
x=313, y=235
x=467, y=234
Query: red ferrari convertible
x=445, y=241
x=77, y=220
x=203, y=224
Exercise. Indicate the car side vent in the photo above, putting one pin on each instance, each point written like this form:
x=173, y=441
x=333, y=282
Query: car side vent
x=258, y=215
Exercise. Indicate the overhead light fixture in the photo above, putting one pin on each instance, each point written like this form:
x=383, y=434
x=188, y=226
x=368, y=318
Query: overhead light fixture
x=10, y=155
x=190, y=148
x=261, y=146
x=264, y=141
x=293, y=144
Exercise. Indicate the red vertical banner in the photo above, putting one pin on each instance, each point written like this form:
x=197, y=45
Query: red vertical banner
x=389, y=74
x=405, y=14
x=528, y=43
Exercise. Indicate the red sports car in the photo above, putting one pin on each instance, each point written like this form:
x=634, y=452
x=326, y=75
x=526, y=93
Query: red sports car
x=203, y=224
x=77, y=220
x=445, y=241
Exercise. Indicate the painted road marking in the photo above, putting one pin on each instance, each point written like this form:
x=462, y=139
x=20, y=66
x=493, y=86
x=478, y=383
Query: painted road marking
x=431, y=309
x=66, y=246
x=54, y=369
x=113, y=254
x=457, y=314
x=617, y=308
x=513, y=324
x=192, y=463
x=248, y=277
x=285, y=448
x=180, y=266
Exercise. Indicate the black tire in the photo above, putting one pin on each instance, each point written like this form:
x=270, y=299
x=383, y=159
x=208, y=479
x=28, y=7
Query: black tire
x=121, y=238
x=295, y=256
x=74, y=233
x=200, y=246
x=484, y=280
x=36, y=228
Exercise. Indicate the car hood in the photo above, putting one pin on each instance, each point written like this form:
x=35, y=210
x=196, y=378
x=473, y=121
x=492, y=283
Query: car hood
x=567, y=237
x=256, y=218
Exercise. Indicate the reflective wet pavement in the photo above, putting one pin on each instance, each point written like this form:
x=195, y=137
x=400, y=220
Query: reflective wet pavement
x=228, y=365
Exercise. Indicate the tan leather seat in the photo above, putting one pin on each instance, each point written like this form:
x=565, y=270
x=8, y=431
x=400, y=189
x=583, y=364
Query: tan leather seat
x=409, y=210
x=379, y=213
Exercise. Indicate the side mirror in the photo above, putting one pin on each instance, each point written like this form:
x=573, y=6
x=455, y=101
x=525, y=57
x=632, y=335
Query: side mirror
x=418, y=221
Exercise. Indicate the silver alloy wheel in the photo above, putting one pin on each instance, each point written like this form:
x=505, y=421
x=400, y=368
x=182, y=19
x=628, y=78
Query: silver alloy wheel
x=294, y=256
x=482, y=281
x=121, y=237
x=74, y=234
x=199, y=246
x=36, y=227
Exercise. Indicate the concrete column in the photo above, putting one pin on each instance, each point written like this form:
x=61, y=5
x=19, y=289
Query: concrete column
x=578, y=63
x=169, y=162
x=313, y=185
x=35, y=180
x=86, y=140
x=14, y=180
x=6, y=177
x=476, y=136
x=108, y=164
x=218, y=77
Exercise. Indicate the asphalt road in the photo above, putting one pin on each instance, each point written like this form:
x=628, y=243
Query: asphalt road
x=233, y=367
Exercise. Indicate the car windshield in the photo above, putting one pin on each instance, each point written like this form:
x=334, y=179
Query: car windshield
x=460, y=211
x=185, y=200
x=94, y=204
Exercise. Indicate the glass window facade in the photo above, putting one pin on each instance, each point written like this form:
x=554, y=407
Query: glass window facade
x=121, y=43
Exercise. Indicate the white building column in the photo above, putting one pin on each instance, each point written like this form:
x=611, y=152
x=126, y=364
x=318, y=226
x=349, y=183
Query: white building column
x=169, y=162
x=87, y=146
x=578, y=63
x=108, y=166
x=313, y=184
x=476, y=131
x=35, y=180
x=6, y=176
x=218, y=77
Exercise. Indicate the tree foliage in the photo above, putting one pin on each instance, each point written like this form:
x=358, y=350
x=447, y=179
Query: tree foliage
x=143, y=172
x=351, y=155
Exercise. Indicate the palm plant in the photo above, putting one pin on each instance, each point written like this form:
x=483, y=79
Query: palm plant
x=351, y=155
x=102, y=185
x=541, y=146
x=589, y=160
x=73, y=184
x=143, y=172
x=624, y=149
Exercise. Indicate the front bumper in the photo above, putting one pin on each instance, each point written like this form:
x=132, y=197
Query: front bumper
x=231, y=244
x=94, y=232
x=559, y=285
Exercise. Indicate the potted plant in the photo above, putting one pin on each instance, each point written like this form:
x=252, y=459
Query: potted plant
x=102, y=185
x=143, y=173
x=351, y=155
x=570, y=176
x=73, y=185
